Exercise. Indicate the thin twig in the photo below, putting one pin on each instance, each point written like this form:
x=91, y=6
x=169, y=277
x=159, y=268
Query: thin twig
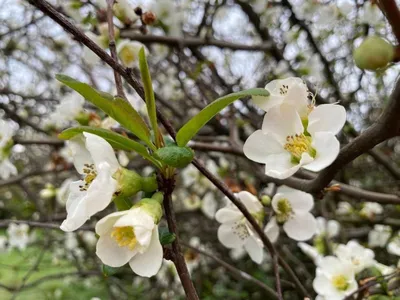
x=113, y=49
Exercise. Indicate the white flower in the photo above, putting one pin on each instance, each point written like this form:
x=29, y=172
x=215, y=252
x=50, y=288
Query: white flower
x=371, y=14
x=237, y=253
x=292, y=91
x=327, y=15
x=371, y=209
x=284, y=146
x=209, y=205
x=292, y=209
x=125, y=12
x=18, y=235
x=123, y=158
x=67, y=110
x=128, y=52
x=394, y=245
x=329, y=228
x=344, y=208
x=170, y=15
x=379, y=236
x=7, y=131
x=334, y=279
x=355, y=254
x=311, y=252
x=62, y=192
x=89, y=237
x=235, y=231
x=7, y=169
x=130, y=236
x=94, y=158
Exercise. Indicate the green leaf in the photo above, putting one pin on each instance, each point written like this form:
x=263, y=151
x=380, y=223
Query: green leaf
x=122, y=203
x=190, y=129
x=165, y=236
x=174, y=156
x=116, y=140
x=117, y=108
x=109, y=271
x=148, y=91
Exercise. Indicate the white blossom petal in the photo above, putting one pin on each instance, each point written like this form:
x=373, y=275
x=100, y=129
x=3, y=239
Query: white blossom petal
x=282, y=121
x=80, y=154
x=259, y=145
x=300, y=227
x=110, y=253
x=254, y=249
x=272, y=230
x=101, y=151
x=327, y=118
x=327, y=147
x=228, y=238
x=252, y=204
x=148, y=263
x=106, y=223
x=228, y=215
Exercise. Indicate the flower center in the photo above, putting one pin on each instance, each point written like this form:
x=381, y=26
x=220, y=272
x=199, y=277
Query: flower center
x=284, y=210
x=124, y=236
x=340, y=282
x=283, y=89
x=298, y=144
x=239, y=228
x=90, y=175
x=128, y=54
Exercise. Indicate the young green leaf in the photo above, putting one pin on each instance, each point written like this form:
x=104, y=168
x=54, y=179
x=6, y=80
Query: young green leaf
x=117, y=108
x=190, y=129
x=116, y=140
x=165, y=236
x=148, y=91
x=174, y=156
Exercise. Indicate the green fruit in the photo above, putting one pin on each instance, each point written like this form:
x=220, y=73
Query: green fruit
x=373, y=53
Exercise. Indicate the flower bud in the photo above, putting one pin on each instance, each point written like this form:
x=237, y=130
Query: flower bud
x=152, y=206
x=130, y=183
x=149, y=18
x=373, y=53
x=266, y=200
x=83, y=118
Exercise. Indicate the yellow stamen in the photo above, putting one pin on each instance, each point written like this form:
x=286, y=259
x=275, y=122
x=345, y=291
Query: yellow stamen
x=284, y=210
x=340, y=282
x=297, y=145
x=124, y=236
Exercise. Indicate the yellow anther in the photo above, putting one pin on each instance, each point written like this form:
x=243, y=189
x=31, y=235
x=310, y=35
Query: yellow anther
x=298, y=144
x=124, y=236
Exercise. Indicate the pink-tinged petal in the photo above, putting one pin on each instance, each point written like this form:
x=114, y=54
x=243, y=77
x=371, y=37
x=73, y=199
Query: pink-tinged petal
x=282, y=121
x=280, y=166
x=327, y=147
x=228, y=215
x=255, y=249
x=228, y=238
x=326, y=118
x=101, y=151
x=148, y=263
x=110, y=253
x=300, y=227
x=272, y=230
x=253, y=205
x=259, y=146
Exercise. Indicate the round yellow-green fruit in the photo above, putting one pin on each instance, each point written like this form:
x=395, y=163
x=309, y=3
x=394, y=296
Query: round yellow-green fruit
x=374, y=53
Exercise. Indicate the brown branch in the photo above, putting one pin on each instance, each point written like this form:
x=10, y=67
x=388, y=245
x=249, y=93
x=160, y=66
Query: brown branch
x=191, y=42
x=167, y=186
x=392, y=13
x=113, y=50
